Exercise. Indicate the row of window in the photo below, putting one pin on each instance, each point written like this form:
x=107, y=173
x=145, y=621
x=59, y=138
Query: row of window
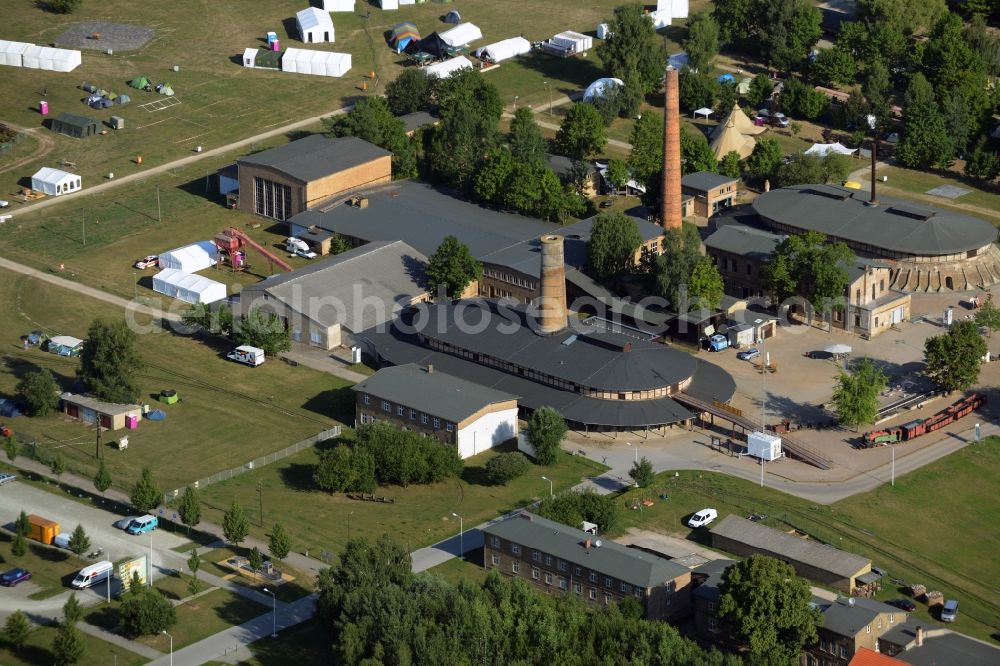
x=272, y=199
x=536, y=574
x=727, y=264
x=508, y=278
x=401, y=411
x=831, y=647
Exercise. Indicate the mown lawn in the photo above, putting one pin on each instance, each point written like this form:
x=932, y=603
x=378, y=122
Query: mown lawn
x=51, y=568
x=985, y=201
x=228, y=414
x=38, y=651
x=305, y=643
x=420, y=515
x=937, y=526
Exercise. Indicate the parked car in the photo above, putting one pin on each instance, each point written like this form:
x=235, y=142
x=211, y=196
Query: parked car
x=748, y=354
x=903, y=604
x=4, y=203
x=149, y=261
x=779, y=120
x=703, y=517
x=6, y=476
x=125, y=522
x=14, y=576
x=37, y=338
x=949, y=611
x=718, y=342
x=763, y=113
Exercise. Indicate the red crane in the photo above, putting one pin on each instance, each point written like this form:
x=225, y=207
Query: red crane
x=230, y=243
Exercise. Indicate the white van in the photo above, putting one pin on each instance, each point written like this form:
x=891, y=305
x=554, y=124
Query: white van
x=95, y=573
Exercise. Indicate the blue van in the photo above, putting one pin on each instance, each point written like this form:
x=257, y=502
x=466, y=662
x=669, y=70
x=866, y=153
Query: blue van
x=143, y=524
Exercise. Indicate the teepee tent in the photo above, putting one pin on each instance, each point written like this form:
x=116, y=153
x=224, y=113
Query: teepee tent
x=730, y=139
x=739, y=120
x=404, y=34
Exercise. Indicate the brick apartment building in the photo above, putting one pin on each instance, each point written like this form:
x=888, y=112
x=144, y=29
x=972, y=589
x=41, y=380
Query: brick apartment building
x=560, y=559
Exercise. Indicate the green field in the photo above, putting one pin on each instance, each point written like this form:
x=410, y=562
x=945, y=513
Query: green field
x=305, y=643
x=37, y=651
x=937, y=526
x=420, y=516
x=228, y=415
x=51, y=568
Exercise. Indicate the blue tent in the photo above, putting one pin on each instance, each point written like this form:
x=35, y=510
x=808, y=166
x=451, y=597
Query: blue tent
x=726, y=78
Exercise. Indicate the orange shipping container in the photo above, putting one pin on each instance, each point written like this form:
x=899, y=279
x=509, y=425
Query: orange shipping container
x=42, y=529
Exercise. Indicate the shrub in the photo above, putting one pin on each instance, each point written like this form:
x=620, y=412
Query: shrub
x=506, y=467
x=145, y=613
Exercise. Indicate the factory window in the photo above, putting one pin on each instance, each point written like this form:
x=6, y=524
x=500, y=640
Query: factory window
x=450, y=427
x=749, y=268
x=548, y=579
x=515, y=567
x=272, y=199
x=578, y=588
x=413, y=414
x=400, y=410
x=496, y=541
x=562, y=583
x=514, y=548
x=713, y=624
x=496, y=560
x=562, y=565
x=638, y=593
x=608, y=582
x=535, y=573
x=536, y=556
x=593, y=576
x=578, y=571
x=548, y=560
x=386, y=407
x=607, y=599
x=593, y=593
x=711, y=606
x=368, y=399
x=626, y=587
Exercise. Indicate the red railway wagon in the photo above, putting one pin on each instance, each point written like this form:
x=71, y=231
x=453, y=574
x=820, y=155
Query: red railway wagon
x=914, y=429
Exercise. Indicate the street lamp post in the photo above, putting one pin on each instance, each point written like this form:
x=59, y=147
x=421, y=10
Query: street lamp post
x=461, y=534
x=892, y=480
x=549, y=86
x=171, y=646
x=545, y=478
x=150, y=560
x=636, y=450
x=515, y=103
x=274, y=613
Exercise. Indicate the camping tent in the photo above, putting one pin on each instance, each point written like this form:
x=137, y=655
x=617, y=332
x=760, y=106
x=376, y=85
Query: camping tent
x=726, y=78
x=743, y=87
x=403, y=34
x=165, y=89
x=824, y=149
x=598, y=87
x=188, y=288
x=139, y=83
x=678, y=60
x=603, y=31
x=314, y=25
x=319, y=63
x=675, y=8
x=442, y=70
x=508, y=48
x=740, y=121
x=462, y=34
x=190, y=258
x=73, y=125
x=434, y=45
x=338, y=5
x=55, y=182
x=388, y=4
x=10, y=52
x=731, y=139
x=704, y=112
x=453, y=17
x=123, y=99
x=65, y=345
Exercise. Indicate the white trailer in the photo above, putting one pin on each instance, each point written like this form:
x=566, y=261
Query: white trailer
x=247, y=355
x=764, y=445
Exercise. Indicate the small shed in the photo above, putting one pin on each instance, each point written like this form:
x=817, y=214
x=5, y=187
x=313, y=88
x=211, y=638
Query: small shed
x=764, y=445
x=65, y=345
x=109, y=415
x=55, y=182
x=78, y=127
x=249, y=57
x=117, y=122
x=314, y=25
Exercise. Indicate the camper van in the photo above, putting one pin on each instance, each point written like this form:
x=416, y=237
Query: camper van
x=299, y=247
x=247, y=355
x=143, y=524
x=95, y=573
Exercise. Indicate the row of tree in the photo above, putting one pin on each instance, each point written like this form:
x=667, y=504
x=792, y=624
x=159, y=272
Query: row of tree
x=255, y=328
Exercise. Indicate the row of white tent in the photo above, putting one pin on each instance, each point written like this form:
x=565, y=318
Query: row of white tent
x=445, y=68
x=32, y=56
x=318, y=63
x=394, y=4
x=662, y=16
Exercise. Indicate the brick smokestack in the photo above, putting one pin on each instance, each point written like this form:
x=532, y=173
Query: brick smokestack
x=553, y=288
x=670, y=204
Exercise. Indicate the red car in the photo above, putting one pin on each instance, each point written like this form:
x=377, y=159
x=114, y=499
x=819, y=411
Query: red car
x=14, y=576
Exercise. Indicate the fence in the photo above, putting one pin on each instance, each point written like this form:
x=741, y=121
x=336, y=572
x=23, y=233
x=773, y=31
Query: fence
x=256, y=463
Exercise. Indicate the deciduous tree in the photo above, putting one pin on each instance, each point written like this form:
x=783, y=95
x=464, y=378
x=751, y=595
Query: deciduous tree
x=673, y=269
x=372, y=120
x=57, y=465
x=761, y=87
x=470, y=109
x=925, y=141
x=452, y=268
x=696, y=89
x=505, y=467
x=67, y=646
x=808, y=266
x=954, y=358
x=255, y=559
x=705, y=286
x=189, y=508
x=110, y=362
x=632, y=52
x=800, y=100
x=278, y=543
x=702, y=41
x=646, y=156
x=235, y=526
x=493, y=174
x=835, y=66
x=10, y=448
x=546, y=429
x=581, y=133
x=263, y=330
x=145, y=613
x=614, y=240
x=730, y=164
x=145, y=496
x=617, y=174
x=16, y=629
x=983, y=163
x=642, y=473
x=696, y=155
x=855, y=396
x=194, y=564
x=39, y=391
x=408, y=92
x=988, y=315
x=525, y=139
x=573, y=507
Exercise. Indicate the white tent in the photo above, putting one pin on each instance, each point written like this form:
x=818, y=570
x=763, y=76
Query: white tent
x=66, y=60
x=338, y=5
x=388, y=4
x=661, y=18
x=676, y=8
x=603, y=31
x=704, y=112
x=508, y=48
x=574, y=42
x=409, y=2
x=461, y=34
x=314, y=25
x=188, y=288
x=824, y=149
x=190, y=258
x=598, y=87
x=442, y=70
x=54, y=182
x=31, y=57
x=250, y=57
x=319, y=63
x=10, y=52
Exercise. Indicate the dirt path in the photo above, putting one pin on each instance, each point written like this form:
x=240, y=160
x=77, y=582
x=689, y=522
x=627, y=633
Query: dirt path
x=184, y=161
x=46, y=144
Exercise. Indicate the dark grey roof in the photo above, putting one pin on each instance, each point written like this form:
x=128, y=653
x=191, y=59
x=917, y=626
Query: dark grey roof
x=941, y=646
x=848, y=616
x=858, y=267
x=744, y=241
x=893, y=225
x=595, y=359
x=713, y=569
x=806, y=551
x=423, y=215
x=75, y=120
x=706, y=180
x=417, y=119
x=435, y=393
x=316, y=156
x=630, y=565
x=563, y=166
x=331, y=290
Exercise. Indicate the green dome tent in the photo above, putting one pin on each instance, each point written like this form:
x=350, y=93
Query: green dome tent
x=139, y=83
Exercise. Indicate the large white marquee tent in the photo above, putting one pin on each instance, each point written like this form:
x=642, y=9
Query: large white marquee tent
x=508, y=48
x=319, y=63
x=187, y=287
x=461, y=34
x=10, y=52
x=55, y=182
x=314, y=25
x=50, y=59
x=338, y=5
x=824, y=149
x=442, y=70
x=190, y=258
x=674, y=8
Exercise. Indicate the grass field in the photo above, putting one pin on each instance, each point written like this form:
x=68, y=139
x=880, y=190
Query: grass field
x=51, y=568
x=936, y=526
x=38, y=651
x=305, y=643
x=421, y=515
x=980, y=202
x=228, y=415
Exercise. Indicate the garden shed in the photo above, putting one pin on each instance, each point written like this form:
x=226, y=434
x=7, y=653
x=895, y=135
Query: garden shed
x=187, y=287
x=190, y=258
x=78, y=127
x=442, y=70
x=314, y=25
x=461, y=35
x=55, y=182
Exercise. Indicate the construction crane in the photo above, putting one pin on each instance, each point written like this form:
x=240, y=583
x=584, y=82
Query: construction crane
x=230, y=244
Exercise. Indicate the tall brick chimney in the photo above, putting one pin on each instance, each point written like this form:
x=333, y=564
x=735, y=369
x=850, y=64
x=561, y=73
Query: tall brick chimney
x=670, y=203
x=553, y=285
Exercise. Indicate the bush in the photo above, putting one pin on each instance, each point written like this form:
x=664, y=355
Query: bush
x=572, y=508
x=404, y=457
x=38, y=389
x=546, y=429
x=146, y=612
x=506, y=467
x=642, y=473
